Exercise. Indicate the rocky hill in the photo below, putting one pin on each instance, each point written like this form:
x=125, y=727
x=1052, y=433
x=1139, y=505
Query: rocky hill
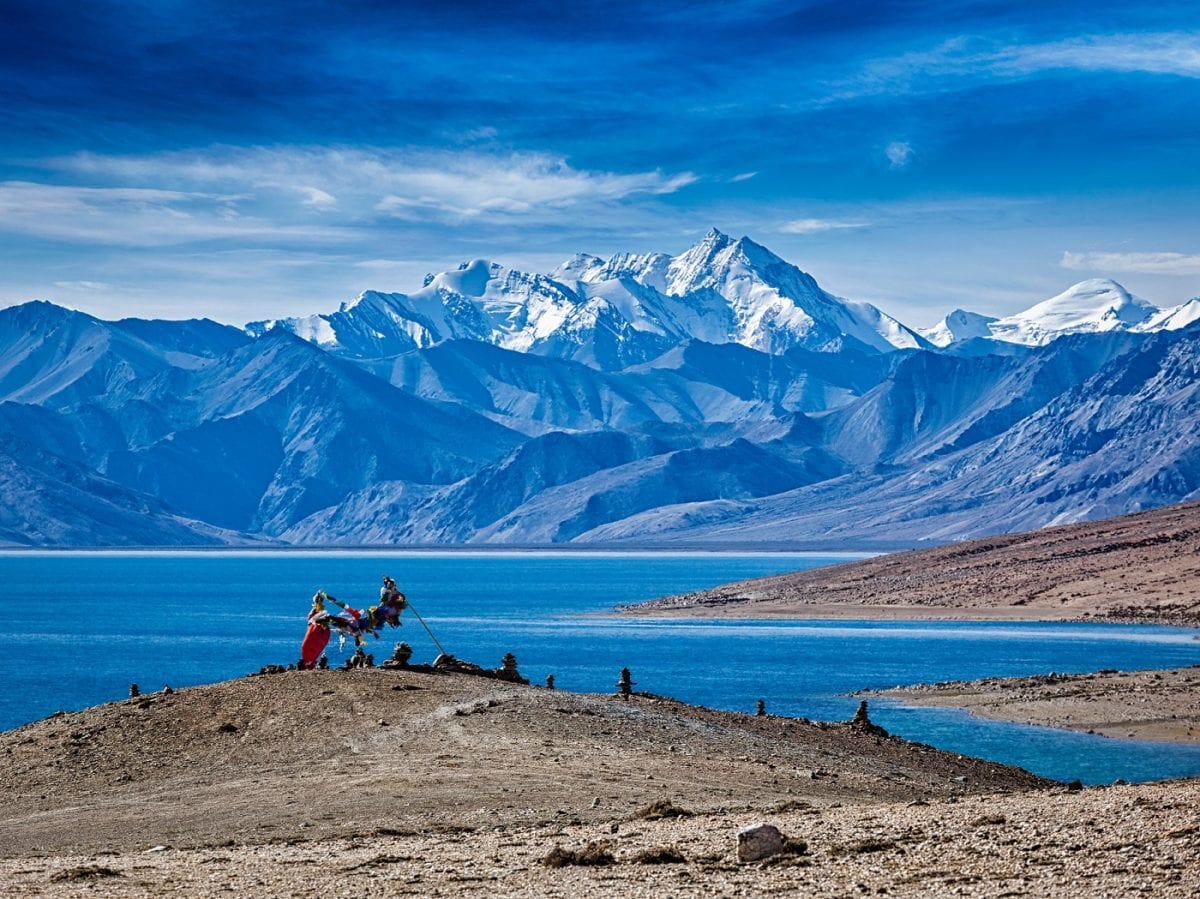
x=334, y=753
x=381, y=782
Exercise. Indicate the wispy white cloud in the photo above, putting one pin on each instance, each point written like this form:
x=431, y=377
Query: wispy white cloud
x=899, y=153
x=744, y=176
x=1175, y=53
x=82, y=285
x=138, y=216
x=1144, y=263
x=291, y=196
x=318, y=198
x=817, y=225
x=449, y=184
x=1172, y=53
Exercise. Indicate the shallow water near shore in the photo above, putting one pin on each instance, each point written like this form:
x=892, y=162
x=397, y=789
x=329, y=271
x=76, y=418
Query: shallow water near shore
x=78, y=628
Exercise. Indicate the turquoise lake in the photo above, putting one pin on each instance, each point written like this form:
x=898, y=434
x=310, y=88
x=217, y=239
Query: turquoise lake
x=78, y=628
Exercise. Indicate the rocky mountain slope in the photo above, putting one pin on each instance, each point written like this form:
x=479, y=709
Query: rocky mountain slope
x=717, y=396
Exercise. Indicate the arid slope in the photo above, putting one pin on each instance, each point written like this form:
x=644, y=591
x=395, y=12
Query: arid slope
x=1143, y=567
x=401, y=783
x=335, y=753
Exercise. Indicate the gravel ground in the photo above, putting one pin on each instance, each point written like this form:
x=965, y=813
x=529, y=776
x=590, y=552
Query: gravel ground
x=381, y=783
x=1113, y=841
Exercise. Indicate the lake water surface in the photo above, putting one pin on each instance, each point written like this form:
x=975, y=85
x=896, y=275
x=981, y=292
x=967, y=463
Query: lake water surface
x=78, y=628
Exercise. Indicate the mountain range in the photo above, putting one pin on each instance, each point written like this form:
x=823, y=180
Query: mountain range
x=720, y=396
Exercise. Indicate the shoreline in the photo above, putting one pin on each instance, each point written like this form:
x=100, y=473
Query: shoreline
x=443, y=551
x=781, y=610
x=1158, y=705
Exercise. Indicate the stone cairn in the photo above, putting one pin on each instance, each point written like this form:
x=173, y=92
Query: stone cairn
x=133, y=691
x=401, y=654
x=360, y=659
x=508, y=669
x=862, y=723
x=625, y=684
x=761, y=709
x=549, y=681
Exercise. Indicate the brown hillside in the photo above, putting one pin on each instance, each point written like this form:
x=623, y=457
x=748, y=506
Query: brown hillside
x=1144, y=566
x=307, y=755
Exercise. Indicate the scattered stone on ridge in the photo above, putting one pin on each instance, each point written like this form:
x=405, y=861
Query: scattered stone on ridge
x=662, y=808
x=759, y=841
x=597, y=853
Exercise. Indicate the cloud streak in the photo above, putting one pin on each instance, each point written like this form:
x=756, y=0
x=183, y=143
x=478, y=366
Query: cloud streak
x=135, y=216
x=412, y=184
x=969, y=58
x=284, y=196
x=819, y=225
x=1142, y=263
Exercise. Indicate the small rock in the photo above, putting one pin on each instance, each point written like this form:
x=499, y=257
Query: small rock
x=157, y=849
x=383, y=722
x=1075, y=786
x=759, y=841
x=597, y=853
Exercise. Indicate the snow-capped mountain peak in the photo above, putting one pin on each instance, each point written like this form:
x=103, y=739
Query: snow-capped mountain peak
x=719, y=291
x=1174, y=318
x=580, y=267
x=1098, y=305
x=1090, y=306
x=959, y=325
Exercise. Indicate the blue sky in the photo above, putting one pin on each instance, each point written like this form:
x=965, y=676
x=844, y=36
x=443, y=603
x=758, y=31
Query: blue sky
x=241, y=161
